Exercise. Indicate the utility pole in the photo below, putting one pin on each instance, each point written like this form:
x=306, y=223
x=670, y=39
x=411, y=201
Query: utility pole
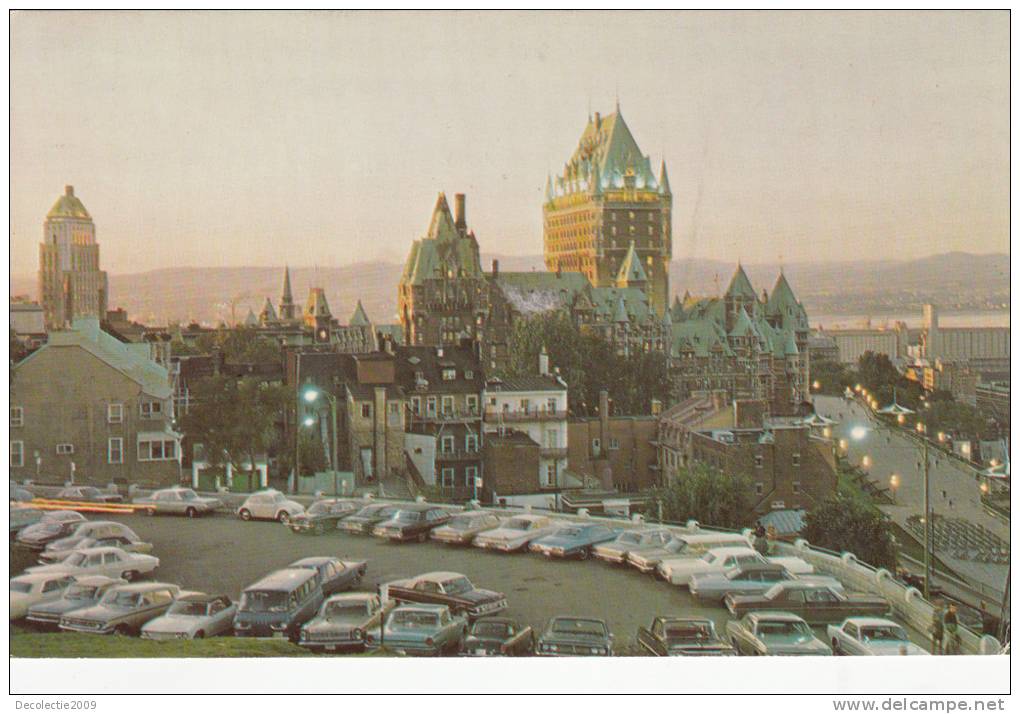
x=928, y=525
x=333, y=461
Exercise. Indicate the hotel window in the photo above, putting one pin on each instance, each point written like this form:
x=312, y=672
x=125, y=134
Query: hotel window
x=17, y=416
x=150, y=410
x=447, y=478
x=471, y=443
x=114, y=413
x=65, y=449
x=470, y=474
x=157, y=450
x=614, y=444
x=448, y=405
x=472, y=403
x=550, y=404
x=446, y=445
x=17, y=453
x=549, y=477
x=115, y=450
x=416, y=405
x=366, y=411
x=525, y=405
x=430, y=406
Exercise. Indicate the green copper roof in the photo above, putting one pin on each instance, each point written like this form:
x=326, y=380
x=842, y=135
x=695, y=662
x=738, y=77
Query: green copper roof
x=784, y=303
x=620, y=313
x=360, y=317
x=605, y=155
x=443, y=251
x=664, y=180
x=68, y=206
x=630, y=269
x=743, y=326
x=607, y=304
x=740, y=285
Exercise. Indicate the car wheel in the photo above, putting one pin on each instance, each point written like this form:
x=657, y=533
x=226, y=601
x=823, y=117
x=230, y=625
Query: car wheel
x=198, y=635
x=835, y=646
x=283, y=517
x=584, y=553
x=245, y=514
x=129, y=575
x=122, y=630
x=422, y=537
x=191, y=512
x=320, y=529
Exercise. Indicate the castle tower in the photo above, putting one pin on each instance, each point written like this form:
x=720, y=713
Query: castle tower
x=70, y=282
x=607, y=198
x=288, y=310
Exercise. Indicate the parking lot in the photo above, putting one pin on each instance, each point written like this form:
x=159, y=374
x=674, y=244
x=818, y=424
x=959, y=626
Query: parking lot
x=221, y=554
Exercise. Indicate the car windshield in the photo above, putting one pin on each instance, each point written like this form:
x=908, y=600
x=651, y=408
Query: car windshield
x=518, y=524
x=689, y=631
x=564, y=626
x=59, y=516
x=192, y=609
x=120, y=599
x=65, y=543
x=569, y=532
x=799, y=631
x=462, y=522
x=491, y=629
x=629, y=538
x=457, y=586
x=345, y=609
x=319, y=507
x=676, y=546
x=81, y=592
x=369, y=511
x=47, y=527
x=188, y=495
x=709, y=557
x=883, y=633
x=74, y=559
x=264, y=601
x=414, y=619
x=18, y=586
x=408, y=516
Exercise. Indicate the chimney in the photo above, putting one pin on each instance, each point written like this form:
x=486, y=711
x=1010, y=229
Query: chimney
x=543, y=362
x=460, y=211
x=604, y=418
x=68, y=190
x=495, y=268
x=598, y=120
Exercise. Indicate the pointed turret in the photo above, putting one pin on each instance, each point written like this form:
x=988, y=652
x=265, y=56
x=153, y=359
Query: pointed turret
x=360, y=317
x=250, y=320
x=268, y=314
x=631, y=273
x=743, y=326
x=288, y=310
x=740, y=285
x=664, y=189
x=620, y=315
x=442, y=227
x=549, y=195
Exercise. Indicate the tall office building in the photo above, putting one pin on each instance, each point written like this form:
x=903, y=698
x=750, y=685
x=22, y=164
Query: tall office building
x=605, y=204
x=71, y=285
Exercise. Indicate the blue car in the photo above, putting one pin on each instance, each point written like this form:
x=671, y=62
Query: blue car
x=573, y=541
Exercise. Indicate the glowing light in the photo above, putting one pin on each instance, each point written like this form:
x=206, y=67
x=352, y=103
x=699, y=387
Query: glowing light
x=858, y=433
x=311, y=395
x=894, y=481
x=900, y=419
x=866, y=462
x=984, y=488
x=816, y=384
x=309, y=421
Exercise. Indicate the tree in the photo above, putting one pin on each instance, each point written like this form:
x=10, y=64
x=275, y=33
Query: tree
x=312, y=454
x=234, y=419
x=832, y=377
x=708, y=496
x=844, y=523
x=239, y=345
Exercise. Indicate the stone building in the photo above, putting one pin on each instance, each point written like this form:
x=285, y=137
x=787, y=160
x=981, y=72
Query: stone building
x=613, y=452
x=605, y=203
x=71, y=284
x=374, y=418
x=90, y=407
x=748, y=346
x=443, y=295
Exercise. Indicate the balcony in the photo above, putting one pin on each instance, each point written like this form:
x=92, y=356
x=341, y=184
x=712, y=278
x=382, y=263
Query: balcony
x=459, y=455
x=508, y=416
x=447, y=417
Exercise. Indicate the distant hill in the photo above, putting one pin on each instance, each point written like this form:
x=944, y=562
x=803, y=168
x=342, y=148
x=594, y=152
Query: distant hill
x=952, y=280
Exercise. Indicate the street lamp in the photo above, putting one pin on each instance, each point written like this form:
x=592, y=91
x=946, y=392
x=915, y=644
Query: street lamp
x=816, y=385
x=311, y=394
x=866, y=462
x=894, y=484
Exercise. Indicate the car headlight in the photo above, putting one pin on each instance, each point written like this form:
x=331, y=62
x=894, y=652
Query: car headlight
x=358, y=633
x=278, y=626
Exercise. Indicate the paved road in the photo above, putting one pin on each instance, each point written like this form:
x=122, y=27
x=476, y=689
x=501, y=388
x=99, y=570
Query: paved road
x=953, y=492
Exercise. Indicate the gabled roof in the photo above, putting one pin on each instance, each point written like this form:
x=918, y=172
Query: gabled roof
x=743, y=326
x=360, y=317
x=129, y=358
x=784, y=304
x=317, y=305
x=268, y=313
x=740, y=285
x=630, y=269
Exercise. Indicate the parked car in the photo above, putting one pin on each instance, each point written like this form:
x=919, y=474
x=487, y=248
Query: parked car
x=21, y=495
x=178, y=502
x=343, y=622
x=412, y=522
x=635, y=539
x=22, y=517
x=683, y=636
x=873, y=636
x=335, y=575
x=817, y=604
x=123, y=609
x=323, y=515
x=462, y=528
x=451, y=589
x=774, y=633
x=683, y=546
x=191, y=617
x=83, y=592
x=51, y=526
x=421, y=629
x=575, y=637
x=365, y=520
x=498, y=637
x=60, y=549
x=269, y=505
x=573, y=541
x=112, y=562
x=748, y=579
x=516, y=533
x=103, y=529
x=88, y=494
x=30, y=589
x=279, y=604
x=718, y=560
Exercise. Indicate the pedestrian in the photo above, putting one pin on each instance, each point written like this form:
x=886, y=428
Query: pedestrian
x=772, y=535
x=937, y=627
x=760, y=539
x=951, y=623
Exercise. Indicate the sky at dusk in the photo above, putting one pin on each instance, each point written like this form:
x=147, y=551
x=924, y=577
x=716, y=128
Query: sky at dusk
x=322, y=139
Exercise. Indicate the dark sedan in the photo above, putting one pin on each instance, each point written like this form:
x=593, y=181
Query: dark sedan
x=498, y=637
x=53, y=526
x=324, y=515
x=575, y=637
x=816, y=604
x=335, y=575
x=451, y=589
x=88, y=494
x=366, y=519
x=683, y=636
x=411, y=522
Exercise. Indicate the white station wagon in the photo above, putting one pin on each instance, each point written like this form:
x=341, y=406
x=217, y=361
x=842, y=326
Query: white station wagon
x=516, y=533
x=679, y=571
x=112, y=562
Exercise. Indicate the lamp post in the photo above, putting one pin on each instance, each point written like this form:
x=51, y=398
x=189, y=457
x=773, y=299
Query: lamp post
x=311, y=394
x=894, y=483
